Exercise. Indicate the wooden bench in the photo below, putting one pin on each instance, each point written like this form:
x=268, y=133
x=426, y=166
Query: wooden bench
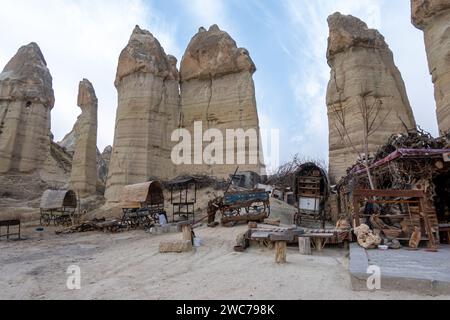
x=8, y=224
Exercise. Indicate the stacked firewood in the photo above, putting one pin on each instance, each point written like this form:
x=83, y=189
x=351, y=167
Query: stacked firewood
x=94, y=225
x=417, y=139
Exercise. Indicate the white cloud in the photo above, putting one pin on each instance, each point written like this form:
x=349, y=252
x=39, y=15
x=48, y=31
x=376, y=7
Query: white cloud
x=80, y=39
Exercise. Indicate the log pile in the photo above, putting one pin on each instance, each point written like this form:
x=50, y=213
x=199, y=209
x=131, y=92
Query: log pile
x=94, y=225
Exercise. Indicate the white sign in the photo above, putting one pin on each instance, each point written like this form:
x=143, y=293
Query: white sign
x=310, y=204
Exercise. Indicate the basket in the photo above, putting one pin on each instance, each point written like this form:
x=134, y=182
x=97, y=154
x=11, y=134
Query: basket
x=392, y=233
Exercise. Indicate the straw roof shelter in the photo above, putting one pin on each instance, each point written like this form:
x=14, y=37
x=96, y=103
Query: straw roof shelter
x=142, y=195
x=58, y=199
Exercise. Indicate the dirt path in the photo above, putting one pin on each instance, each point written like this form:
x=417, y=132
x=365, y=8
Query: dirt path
x=128, y=266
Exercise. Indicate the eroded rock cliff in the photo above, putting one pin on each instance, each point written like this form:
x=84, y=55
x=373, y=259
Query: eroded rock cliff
x=26, y=99
x=433, y=17
x=148, y=111
x=366, y=92
x=84, y=166
x=29, y=159
x=217, y=89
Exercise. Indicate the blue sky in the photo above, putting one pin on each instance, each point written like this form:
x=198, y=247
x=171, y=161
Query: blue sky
x=287, y=40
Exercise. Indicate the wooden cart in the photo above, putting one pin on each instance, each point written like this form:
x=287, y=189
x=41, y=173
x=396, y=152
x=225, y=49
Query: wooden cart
x=142, y=204
x=58, y=207
x=252, y=205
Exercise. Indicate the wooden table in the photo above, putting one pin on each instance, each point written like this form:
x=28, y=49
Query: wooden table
x=8, y=224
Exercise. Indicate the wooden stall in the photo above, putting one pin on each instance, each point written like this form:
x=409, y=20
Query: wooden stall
x=404, y=208
x=183, y=197
x=405, y=170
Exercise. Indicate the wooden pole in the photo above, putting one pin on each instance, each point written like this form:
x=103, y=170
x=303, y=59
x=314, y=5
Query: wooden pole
x=187, y=232
x=319, y=244
x=304, y=244
x=431, y=239
x=356, y=209
x=280, y=252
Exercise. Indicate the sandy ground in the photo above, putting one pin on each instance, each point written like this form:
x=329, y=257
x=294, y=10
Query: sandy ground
x=128, y=266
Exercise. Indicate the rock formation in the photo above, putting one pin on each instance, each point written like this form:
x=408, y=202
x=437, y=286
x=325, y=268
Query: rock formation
x=68, y=144
x=363, y=78
x=433, y=17
x=84, y=166
x=147, y=82
x=217, y=88
x=103, y=160
x=30, y=161
x=26, y=99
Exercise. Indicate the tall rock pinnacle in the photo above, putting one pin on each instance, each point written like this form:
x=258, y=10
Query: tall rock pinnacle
x=26, y=99
x=433, y=17
x=84, y=166
x=147, y=113
x=363, y=77
x=217, y=88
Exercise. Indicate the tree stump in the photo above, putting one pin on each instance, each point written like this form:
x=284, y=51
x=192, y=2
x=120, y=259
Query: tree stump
x=304, y=245
x=280, y=252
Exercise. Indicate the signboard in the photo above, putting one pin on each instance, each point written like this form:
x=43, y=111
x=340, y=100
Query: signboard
x=309, y=204
x=447, y=157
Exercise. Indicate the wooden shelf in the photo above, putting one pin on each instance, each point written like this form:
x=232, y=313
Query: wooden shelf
x=397, y=216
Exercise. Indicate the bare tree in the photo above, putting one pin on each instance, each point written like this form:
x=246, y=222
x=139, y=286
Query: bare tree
x=372, y=118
